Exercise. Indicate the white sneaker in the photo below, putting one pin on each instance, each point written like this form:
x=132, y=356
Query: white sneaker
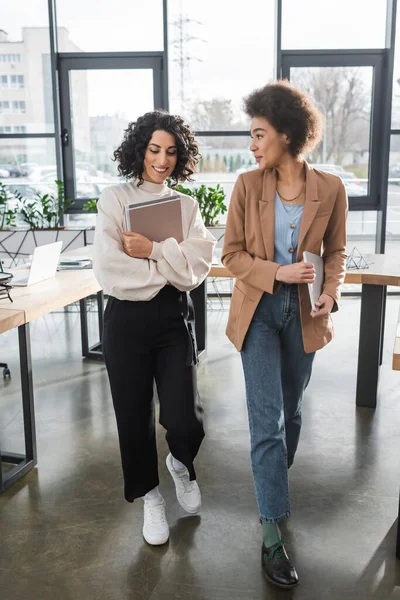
x=155, y=526
x=187, y=492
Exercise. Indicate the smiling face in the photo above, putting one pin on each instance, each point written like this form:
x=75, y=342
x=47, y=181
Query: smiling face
x=269, y=147
x=160, y=157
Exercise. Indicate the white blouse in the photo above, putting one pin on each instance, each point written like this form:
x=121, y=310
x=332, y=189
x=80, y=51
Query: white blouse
x=183, y=265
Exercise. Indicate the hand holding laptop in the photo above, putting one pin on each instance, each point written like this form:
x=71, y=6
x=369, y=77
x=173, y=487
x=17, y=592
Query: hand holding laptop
x=321, y=304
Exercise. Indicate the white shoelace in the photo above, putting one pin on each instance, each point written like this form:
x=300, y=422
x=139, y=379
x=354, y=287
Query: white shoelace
x=157, y=513
x=184, y=479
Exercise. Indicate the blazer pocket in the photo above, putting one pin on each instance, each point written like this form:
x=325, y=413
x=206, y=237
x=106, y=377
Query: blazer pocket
x=237, y=300
x=322, y=325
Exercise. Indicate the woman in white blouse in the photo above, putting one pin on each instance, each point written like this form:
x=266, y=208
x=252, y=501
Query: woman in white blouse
x=148, y=333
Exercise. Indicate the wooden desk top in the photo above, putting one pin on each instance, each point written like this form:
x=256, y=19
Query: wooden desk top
x=383, y=270
x=54, y=293
x=10, y=318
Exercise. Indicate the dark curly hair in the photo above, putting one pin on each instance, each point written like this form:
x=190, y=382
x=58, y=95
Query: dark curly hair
x=130, y=154
x=289, y=111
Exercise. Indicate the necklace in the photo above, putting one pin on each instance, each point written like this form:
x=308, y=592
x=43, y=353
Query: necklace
x=295, y=198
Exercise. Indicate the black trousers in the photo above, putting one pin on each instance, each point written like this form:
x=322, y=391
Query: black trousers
x=143, y=342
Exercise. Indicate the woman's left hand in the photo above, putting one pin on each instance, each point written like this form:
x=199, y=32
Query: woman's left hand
x=136, y=245
x=325, y=304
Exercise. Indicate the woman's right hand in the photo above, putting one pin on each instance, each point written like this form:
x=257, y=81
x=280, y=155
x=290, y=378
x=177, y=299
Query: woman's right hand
x=296, y=273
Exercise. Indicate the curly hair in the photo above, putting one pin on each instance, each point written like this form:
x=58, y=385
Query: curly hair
x=130, y=154
x=289, y=111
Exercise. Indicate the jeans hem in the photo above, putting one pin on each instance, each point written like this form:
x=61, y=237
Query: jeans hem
x=286, y=515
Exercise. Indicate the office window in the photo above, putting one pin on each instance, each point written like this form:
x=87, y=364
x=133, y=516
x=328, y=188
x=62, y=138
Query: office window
x=38, y=153
x=18, y=106
x=3, y=81
x=121, y=25
x=10, y=58
x=19, y=129
x=25, y=26
x=16, y=81
x=4, y=106
x=316, y=24
x=216, y=57
x=5, y=129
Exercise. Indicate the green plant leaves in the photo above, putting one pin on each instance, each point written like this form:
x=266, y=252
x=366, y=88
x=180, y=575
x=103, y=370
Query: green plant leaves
x=211, y=201
x=44, y=211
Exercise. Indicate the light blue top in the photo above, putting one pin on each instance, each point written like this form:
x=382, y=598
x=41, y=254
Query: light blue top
x=287, y=227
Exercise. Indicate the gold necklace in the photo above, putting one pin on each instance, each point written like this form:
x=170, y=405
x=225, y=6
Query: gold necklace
x=292, y=199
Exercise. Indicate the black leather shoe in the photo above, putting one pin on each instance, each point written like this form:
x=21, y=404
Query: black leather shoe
x=277, y=567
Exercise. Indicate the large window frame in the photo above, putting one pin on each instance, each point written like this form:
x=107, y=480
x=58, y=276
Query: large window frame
x=69, y=62
x=385, y=91
x=352, y=58
x=383, y=61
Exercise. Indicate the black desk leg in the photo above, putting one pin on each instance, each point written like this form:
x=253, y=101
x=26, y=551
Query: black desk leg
x=94, y=351
x=199, y=297
x=370, y=344
x=382, y=328
x=22, y=462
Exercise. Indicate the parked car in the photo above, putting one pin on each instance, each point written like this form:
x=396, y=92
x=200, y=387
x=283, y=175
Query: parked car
x=13, y=170
x=328, y=167
x=394, y=173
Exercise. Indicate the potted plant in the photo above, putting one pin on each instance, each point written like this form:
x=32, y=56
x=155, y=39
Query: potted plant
x=211, y=202
x=90, y=206
x=7, y=214
x=42, y=216
x=45, y=211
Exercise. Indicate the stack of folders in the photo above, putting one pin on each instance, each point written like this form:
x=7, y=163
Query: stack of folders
x=69, y=263
x=157, y=219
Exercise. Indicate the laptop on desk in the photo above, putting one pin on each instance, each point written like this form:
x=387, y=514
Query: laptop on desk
x=43, y=266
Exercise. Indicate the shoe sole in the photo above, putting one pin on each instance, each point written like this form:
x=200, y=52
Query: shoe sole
x=280, y=585
x=155, y=541
x=190, y=511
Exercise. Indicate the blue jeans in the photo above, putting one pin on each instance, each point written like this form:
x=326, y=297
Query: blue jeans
x=276, y=371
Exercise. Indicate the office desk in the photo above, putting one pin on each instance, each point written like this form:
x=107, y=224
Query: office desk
x=383, y=270
x=28, y=304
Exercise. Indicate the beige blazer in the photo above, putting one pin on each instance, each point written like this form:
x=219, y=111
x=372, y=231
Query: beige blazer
x=248, y=250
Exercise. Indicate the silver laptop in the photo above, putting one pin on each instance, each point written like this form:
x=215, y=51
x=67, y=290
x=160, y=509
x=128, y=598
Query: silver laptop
x=43, y=266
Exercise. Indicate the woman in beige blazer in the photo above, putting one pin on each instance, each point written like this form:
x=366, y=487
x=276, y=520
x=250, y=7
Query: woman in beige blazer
x=276, y=213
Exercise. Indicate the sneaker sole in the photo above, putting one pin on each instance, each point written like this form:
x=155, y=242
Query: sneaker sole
x=155, y=541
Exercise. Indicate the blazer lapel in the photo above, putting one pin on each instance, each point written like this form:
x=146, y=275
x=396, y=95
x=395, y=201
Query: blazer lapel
x=311, y=205
x=267, y=212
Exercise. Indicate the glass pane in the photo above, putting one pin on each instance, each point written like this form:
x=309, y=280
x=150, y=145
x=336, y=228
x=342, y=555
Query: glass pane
x=396, y=77
x=222, y=160
x=344, y=96
x=22, y=165
x=393, y=209
x=26, y=97
x=99, y=120
x=312, y=24
x=216, y=57
x=121, y=25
